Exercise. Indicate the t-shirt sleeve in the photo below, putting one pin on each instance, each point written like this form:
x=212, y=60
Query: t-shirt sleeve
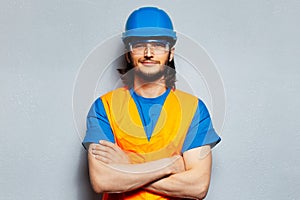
x=201, y=131
x=97, y=124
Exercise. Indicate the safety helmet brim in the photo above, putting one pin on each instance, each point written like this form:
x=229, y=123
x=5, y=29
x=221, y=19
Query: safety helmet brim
x=149, y=32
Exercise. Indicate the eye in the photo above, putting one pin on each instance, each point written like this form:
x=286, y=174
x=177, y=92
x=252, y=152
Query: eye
x=159, y=45
x=139, y=45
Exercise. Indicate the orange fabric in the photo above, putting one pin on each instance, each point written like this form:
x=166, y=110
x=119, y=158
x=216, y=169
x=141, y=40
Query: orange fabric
x=167, y=137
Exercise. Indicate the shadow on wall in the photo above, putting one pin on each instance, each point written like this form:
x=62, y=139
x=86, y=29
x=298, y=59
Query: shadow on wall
x=85, y=191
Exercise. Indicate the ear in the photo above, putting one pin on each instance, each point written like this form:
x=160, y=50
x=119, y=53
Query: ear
x=171, y=54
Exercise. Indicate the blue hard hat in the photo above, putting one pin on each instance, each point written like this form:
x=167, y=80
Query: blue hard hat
x=149, y=22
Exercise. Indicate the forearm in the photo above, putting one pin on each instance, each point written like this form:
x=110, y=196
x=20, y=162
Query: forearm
x=125, y=177
x=192, y=183
x=183, y=185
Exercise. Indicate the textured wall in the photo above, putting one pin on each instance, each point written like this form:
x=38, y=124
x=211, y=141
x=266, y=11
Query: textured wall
x=255, y=45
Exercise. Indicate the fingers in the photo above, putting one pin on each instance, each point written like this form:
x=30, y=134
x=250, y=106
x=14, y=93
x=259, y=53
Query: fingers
x=100, y=147
x=110, y=145
x=107, y=143
x=114, y=147
x=103, y=159
x=108, y=153
x=101, y=153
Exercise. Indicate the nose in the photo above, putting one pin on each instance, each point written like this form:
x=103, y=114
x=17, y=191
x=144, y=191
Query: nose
x=148, y=52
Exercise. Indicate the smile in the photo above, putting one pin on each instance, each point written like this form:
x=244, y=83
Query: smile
x=149, y=62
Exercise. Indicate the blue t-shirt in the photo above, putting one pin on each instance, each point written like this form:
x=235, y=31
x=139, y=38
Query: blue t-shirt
x=200, y=132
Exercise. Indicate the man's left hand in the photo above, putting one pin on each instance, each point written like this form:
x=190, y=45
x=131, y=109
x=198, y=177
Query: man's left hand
x=109, y=153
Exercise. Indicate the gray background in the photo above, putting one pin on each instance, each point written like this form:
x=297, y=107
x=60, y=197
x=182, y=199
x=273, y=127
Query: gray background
x=255, y=45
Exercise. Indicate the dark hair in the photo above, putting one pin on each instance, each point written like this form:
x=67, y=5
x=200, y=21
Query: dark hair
x=127, y=75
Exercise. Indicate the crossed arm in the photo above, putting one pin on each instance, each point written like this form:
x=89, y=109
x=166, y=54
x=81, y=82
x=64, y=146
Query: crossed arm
x=186, y=176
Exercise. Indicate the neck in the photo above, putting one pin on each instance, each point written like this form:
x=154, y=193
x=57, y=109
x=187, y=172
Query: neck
x=149, y=89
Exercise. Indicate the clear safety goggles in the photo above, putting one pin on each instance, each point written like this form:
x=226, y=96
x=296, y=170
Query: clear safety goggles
x=157, y=47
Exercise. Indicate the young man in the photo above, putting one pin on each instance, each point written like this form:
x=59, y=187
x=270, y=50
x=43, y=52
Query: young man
x=149, y=140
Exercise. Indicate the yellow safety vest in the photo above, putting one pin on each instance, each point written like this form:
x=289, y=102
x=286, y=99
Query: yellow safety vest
x=167, y=137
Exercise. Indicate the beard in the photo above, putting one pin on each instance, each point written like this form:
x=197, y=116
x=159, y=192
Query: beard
x=150, y=77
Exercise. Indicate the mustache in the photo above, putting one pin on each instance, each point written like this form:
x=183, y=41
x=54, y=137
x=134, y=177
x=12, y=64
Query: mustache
x=149, y=60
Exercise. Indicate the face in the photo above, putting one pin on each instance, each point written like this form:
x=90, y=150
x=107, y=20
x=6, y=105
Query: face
x=149, y=60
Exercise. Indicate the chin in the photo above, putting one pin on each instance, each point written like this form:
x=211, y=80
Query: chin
x=150, y=76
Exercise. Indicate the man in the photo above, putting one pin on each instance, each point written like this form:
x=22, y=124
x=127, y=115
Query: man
x=148, y=140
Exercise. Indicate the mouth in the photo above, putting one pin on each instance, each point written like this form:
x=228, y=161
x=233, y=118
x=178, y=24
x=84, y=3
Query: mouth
x=149, y=62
